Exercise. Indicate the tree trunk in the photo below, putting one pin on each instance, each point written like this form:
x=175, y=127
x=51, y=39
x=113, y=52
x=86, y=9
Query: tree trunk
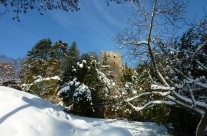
x=200, y=131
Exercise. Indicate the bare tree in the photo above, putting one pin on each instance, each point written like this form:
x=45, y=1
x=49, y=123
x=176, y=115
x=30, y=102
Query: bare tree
x=7, y=71
x=151, y=23
x=154, y=22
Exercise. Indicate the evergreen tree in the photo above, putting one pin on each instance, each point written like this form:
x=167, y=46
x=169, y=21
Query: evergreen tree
x=82, y=83
x=97, y=91
x=69, y=64
x=187, y=45
x=41, y=50
x=59, y=50
x=76, y=93
x=43, y=63
x=127, y=74
x=36, y=62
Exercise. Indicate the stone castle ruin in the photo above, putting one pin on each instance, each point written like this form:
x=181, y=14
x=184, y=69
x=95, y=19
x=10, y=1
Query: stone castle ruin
x=111, y=64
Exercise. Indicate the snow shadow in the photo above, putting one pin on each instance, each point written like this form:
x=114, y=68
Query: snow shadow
x=38, y=103
x=4, y=117
x=34, y=102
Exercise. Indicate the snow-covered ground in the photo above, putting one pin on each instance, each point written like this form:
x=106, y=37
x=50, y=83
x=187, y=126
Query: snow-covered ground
x=135, y=128
x=23, y=114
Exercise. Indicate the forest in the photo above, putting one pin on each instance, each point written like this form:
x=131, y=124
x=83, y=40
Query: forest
x=167, y=85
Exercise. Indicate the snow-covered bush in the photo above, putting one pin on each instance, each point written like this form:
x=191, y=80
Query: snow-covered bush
x=81, y=93
x=77, y=98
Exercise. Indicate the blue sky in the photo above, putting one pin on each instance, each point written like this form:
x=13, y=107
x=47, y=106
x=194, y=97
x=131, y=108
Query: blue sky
x=93, y=27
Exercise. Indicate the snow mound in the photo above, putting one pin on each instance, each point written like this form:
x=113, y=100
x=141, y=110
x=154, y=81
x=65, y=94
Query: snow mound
x=24, y=114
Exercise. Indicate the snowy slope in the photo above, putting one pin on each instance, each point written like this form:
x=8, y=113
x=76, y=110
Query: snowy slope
x=135, y=128
x=23, y=114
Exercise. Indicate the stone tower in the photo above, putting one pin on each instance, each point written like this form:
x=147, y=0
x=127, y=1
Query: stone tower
x=111, y=63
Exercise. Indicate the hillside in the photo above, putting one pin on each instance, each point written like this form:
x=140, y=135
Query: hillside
x=23, y=114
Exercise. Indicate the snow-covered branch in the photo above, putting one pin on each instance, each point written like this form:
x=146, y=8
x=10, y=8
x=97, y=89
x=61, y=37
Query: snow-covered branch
x=172, y=98
x=199, y=48
x=188, y=79
x=161, y=87
x=151, y=103
x=200, y=64
x=183, y=99
x=149, y=93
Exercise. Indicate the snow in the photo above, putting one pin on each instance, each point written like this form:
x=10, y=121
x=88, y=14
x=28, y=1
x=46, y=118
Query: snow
x=64, y=89
x=83, y=89
x=82, y=63
x=105, y=66
x=40, y=79
x=155, y=86
x=23, y=114
x=135, y=128
x=67, y=87
x=104, y=78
